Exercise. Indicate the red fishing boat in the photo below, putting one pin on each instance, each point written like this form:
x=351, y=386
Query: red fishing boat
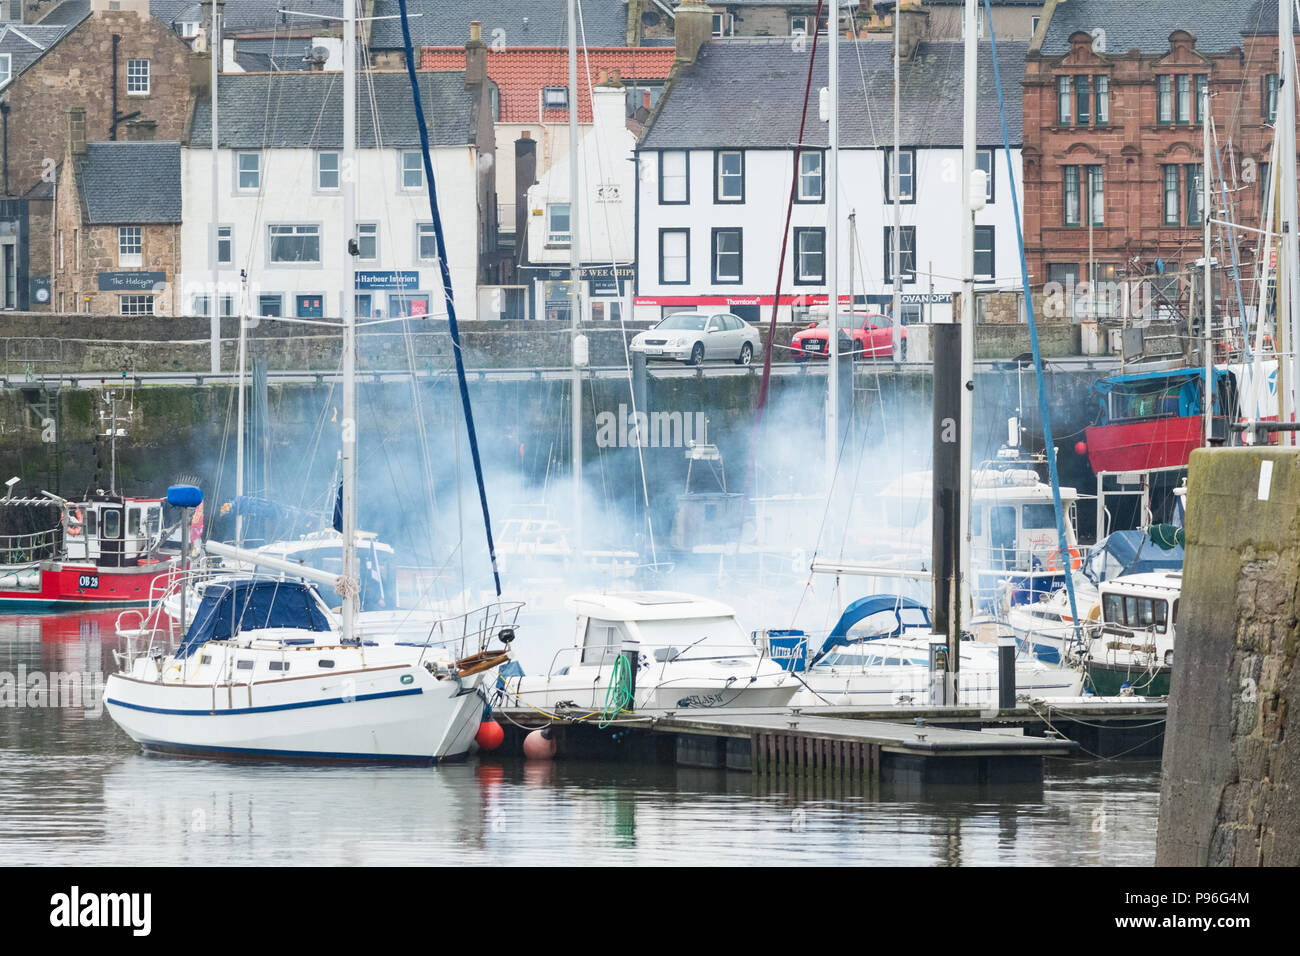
x=106, y=551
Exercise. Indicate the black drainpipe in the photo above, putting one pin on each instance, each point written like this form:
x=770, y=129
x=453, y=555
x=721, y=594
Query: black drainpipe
x=4, y=145
x=118, y=118
x=112, y=130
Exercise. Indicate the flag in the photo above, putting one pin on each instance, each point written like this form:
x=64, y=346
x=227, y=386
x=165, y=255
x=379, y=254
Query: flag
x=338, y=510
x=196, y=524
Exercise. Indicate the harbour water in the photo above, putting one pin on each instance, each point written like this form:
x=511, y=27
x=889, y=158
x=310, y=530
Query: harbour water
x=75, y=790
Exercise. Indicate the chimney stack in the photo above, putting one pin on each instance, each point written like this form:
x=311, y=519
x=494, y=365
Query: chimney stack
x=693, y=28
x=77, y=131
x=475, y=56
x=913, y=24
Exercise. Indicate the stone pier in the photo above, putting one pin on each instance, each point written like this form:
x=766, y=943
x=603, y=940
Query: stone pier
x=1230, y=789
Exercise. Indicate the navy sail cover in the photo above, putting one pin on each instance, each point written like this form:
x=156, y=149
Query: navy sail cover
x=229, y=608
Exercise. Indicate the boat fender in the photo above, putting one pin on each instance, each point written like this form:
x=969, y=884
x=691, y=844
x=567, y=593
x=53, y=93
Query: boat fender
x=540, y=744
x=490, y=734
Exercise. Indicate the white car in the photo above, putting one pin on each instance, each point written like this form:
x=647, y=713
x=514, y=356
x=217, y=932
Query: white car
x=692, y=337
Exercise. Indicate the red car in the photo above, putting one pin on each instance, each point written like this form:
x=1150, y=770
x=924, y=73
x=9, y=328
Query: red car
x=869, y=335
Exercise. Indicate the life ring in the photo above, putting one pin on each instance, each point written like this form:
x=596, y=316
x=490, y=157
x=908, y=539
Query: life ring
x=1054, y=559
x=72, y=526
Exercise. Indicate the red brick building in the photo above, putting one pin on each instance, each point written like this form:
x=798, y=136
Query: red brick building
x=1113, y=140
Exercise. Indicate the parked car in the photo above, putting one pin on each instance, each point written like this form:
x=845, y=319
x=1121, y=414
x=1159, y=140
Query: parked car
x=693, y=337
x=869, y=335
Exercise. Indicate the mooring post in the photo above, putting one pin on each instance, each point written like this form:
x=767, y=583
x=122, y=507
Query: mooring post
x=1006, y=672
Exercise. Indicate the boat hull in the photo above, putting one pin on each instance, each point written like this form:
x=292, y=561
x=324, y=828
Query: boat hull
x=671, y=694
x=907, y=686
x=1108, y=680
x=1138, y=446
x=396, y=713
x=57, y=585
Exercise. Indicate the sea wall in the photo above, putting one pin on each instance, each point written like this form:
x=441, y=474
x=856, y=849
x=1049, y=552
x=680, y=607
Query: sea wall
x=1230, y=788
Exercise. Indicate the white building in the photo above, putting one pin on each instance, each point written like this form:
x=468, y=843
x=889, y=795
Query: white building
x=605, y=215
x=716, y=164
x=279, y=215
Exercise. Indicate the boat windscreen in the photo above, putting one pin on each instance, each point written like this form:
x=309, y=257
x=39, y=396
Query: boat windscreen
x=228, y=609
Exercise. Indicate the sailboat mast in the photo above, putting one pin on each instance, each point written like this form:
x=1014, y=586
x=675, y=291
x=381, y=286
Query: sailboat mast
x=1207, y=298
x=1289, y=257
x=832, y=250
x=575, y=279
x=968, y=206
x=897, y=245
x=239, y=424
x=215, y=56
x=347, y=184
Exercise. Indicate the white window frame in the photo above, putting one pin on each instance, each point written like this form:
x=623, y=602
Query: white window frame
x=555, y=98
x=256, y=171
x=218, y=239
x=664, y=278
x=799, y=24
x=667, y=178
x=403, y=169
x=906, y=180
x=720, y=177
x=6, y=68
x=423, y=230
x=135, y=77
x=298, y=229
x=137, y=304
x=337, y=171
x=130, y=246
x=370, y=229
x=820, y=157
x=554, y=238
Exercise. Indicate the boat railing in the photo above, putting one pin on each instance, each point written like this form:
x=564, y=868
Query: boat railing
x=602, y=655
x=29, y=548
x=471, y=631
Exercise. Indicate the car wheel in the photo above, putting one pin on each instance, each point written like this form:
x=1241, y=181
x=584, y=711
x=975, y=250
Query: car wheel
x=746, y=354
x=697, y=354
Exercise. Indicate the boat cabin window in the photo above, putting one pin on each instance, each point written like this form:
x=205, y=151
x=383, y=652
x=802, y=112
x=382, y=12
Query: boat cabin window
x=698, y=638
x=325, y=662
x=112, y=524
x=1139, y=613
x=153, y=521
x=1038, y=516
x=244, y=665
x=92, y=522
x=876, y=625
x=133, y=522
x=1002, y=536
x=601, y=643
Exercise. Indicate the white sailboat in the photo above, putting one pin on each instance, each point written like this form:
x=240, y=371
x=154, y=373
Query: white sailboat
x=264, y=671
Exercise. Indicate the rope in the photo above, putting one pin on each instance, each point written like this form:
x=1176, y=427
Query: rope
x=618, y=696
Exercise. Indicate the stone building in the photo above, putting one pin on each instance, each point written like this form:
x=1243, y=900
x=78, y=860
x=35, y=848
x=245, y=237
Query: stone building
x=117, y=226
x=133, y=77
x=1113, y=143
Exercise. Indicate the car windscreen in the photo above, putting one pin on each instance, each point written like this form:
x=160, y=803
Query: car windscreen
x=683, y=322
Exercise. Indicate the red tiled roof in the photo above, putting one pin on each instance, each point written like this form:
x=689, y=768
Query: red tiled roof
x=522, y=72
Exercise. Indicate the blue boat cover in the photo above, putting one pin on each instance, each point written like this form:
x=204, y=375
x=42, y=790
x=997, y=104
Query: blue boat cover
x=228, y=608
x=1137, y=553
x=863, y=608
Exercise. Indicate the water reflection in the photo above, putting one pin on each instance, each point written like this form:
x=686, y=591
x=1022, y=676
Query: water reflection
x=75, y=790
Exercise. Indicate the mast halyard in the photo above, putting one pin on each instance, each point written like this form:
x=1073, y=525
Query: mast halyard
x=214, y=301
x=1207, y=296
x=1289, y=254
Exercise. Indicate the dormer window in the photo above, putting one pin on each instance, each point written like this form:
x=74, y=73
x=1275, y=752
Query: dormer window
x=555, y=98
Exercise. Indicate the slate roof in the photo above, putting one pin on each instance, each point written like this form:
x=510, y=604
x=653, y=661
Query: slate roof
x=131, y=182
x=522, y=22
x=750, y=93
x=1145, y=25
x=251, y=16
x=26, y=43
x=522, y=73
x=260, y=110
x=69, y=13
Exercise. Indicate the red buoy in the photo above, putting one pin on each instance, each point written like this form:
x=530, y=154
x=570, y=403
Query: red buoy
x=490, y=735
x=539, y=745
x=1081, y=448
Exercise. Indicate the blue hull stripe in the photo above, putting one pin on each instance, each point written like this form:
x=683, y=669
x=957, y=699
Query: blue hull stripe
x=195, y=749
x=265, y=710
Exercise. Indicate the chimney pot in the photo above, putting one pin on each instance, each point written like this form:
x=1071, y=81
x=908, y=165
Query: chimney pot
x=476, y=31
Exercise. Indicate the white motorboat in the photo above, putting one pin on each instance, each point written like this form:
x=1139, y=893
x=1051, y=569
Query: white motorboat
x=1132, y=649
x=1045, y=629
x=263, y=672
x=688, y=651
x=878, y=655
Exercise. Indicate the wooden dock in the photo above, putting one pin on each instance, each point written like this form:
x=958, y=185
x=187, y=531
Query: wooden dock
x=912, y=746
